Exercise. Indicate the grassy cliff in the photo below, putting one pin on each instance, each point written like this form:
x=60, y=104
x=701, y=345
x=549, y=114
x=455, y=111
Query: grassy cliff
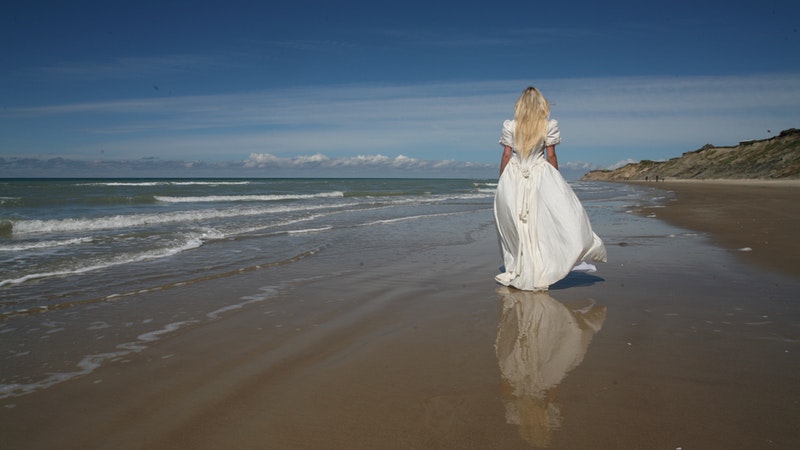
x=774, y=158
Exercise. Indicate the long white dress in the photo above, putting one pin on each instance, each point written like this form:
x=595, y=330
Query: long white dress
x=544, y=230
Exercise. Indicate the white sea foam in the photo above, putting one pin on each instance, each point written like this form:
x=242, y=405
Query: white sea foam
x=117, y=222
x=210, y=183
x=246, y=198
x=124, y=183
x=90, y=363
x=99, y=325
x=466, y=196
x=253, y=229
x=137, y=220
x=115, y=261
x=267, y=292
x=436, y=198
x=22, y=246
x=311, y=230
x=3, y=200
x=416, y=217
x=166, y=183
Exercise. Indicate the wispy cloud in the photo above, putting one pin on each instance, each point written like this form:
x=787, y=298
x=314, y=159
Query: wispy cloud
x=318, y=160
x=256, y=165
x=603, y=120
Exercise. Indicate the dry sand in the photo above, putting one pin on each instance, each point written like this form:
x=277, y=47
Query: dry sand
x=672, y=344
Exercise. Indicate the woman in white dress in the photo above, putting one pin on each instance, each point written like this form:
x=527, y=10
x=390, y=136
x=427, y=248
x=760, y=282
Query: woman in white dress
x=544, y=230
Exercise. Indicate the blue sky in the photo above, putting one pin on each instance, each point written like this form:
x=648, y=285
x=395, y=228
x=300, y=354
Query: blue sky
x=381, y=88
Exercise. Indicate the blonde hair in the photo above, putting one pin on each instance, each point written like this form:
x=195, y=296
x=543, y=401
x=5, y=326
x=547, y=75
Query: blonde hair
x=530, y=113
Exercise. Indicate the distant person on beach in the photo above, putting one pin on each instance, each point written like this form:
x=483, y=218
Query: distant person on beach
x=544, y=230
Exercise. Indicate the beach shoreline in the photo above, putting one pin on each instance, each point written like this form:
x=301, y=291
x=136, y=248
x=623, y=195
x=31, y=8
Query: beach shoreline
x=755, y=219
x=672, y=343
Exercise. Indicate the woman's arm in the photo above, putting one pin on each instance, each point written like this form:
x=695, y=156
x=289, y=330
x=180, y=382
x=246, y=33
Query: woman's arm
x=505, y=158
x=551, y=156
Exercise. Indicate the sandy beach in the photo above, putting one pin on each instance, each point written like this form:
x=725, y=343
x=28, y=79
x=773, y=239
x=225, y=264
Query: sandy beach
x=757, y=219
x=679, y=341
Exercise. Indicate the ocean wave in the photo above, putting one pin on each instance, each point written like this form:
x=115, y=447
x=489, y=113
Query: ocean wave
x=435, y=198
x=22, y=227
x=91, y=201
x=378, y=194
x=165, y=183
x=9, y=201
x=247, y=198
x=210, y=183
x=22, y=246
x=464, y=196
x=171, y=285
x=190, y=243
x=139, y=220
x=415, y=217
x=310, y=230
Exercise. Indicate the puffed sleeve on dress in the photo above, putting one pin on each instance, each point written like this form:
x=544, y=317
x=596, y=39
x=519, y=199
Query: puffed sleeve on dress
x=507, y=135
x=553, y=133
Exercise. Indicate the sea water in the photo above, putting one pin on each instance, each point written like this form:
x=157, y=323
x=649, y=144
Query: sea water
x=69, y=247
x=63, y=239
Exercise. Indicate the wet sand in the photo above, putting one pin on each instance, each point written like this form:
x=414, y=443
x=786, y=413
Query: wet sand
x=759, y=216
x=675, y=343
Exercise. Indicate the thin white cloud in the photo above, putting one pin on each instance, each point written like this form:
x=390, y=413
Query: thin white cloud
x=256, y=165
x=318, y=160
x=622, y=163
x=603, y=120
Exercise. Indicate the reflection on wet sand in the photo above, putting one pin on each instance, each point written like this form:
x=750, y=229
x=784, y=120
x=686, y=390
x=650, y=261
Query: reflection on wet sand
x=539, y=340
